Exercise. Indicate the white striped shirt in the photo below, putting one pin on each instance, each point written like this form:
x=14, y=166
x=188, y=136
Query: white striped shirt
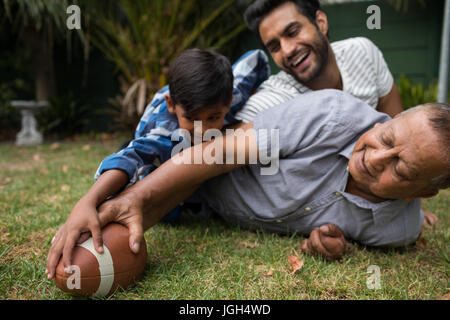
x=364, y=73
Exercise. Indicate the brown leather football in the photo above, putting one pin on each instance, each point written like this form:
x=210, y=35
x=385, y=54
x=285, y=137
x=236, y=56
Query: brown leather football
x=94, y=274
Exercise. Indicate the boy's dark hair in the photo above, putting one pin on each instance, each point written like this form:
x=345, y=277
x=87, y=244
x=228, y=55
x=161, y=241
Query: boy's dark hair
x=200, y=78
x=259, y=9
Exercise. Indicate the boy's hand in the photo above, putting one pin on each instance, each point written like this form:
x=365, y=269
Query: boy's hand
x=83, y=218
x=328, y=241
x=84, y=221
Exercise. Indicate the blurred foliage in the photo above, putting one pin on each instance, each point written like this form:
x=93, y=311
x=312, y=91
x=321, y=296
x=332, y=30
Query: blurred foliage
x=140, y=37
x=67, y=115
x=9, y=117
x=143, y=37
x=39, y=14
x=47, y=17
x=14, y=85
x=415, y=94
x=403, y=5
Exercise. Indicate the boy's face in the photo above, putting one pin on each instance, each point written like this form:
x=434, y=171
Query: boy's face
x=211, y=117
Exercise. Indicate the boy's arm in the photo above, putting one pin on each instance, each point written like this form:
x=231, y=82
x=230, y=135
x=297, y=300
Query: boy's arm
x=106, y=185
x=84, y=218
x=143, y=204
x=139, y=154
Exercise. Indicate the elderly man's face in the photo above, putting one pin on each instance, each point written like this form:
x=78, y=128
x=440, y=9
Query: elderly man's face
x=296, y=45
x=397, y=159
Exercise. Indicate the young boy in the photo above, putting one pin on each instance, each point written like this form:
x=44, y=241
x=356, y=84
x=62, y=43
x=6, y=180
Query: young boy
x=202, y=87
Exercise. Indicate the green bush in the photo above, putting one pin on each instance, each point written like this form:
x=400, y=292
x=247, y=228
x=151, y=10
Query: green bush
x=67, y=115
x=9, y=116
x=416, y=94
x=143, y=37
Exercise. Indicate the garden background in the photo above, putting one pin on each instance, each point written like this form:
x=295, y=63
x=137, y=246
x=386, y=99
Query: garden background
x=98, y=81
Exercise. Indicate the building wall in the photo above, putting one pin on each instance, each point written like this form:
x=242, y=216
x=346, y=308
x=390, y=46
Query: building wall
x=410, y=41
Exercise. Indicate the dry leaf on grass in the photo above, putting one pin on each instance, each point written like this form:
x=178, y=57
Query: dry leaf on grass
x=86, y=147
x=421, y=242
x=54, y=146
x=270, y=272
x=248, y=244
x=296, y=263
x=65, y=168
x=36, y=157
x=444, y=297
x=6, y=181
x=65, y=188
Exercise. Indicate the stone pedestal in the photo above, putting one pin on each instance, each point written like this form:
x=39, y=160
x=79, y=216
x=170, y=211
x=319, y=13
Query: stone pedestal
x=29, y=134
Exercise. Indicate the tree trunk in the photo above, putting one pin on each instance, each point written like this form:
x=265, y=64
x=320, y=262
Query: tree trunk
x=42, y=53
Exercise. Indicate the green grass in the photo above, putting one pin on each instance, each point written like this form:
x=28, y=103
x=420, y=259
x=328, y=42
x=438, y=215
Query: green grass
x=196, y=259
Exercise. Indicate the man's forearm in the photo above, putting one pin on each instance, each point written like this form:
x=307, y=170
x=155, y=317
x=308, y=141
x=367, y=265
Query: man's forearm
x=391, y=104
x=183, y=173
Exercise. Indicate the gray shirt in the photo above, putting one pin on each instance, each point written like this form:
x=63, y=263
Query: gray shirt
x=317, y=133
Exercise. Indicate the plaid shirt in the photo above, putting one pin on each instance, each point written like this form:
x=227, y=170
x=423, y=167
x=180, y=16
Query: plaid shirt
x=152, y=144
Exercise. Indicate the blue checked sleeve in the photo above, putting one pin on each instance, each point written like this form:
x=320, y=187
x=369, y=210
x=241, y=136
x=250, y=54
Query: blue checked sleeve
x=152, y=144
x=153, y=134
x=140, y=156
x=249, y=71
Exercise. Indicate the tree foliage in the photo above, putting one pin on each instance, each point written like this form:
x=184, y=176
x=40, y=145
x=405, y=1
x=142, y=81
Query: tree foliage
x=143, y=37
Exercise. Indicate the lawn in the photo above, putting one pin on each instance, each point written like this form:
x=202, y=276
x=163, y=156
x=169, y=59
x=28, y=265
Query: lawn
x=196, y=259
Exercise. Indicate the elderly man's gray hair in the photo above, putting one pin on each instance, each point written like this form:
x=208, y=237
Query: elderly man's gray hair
x=439, y=118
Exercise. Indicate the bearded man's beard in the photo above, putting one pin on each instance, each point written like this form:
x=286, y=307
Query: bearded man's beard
x=320, y=48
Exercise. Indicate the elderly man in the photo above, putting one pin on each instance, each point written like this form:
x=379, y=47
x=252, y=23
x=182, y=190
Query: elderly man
x=339, y=176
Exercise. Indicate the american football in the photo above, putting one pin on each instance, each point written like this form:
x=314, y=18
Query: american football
x=100, y=275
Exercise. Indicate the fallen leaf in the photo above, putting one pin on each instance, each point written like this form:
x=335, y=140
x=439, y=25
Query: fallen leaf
x=296, y=263
x=106, y=137
x=65, y=168
x=54, y=146
x=445, y=297
x=260, y=268
x=248, y=244
x=270, y=272
x=86, y=147
x=65, y=188
x=36, y=157
x=421, y=242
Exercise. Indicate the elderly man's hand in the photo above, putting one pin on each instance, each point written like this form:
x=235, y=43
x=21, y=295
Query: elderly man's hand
x=125, y=209
x=327, y=241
